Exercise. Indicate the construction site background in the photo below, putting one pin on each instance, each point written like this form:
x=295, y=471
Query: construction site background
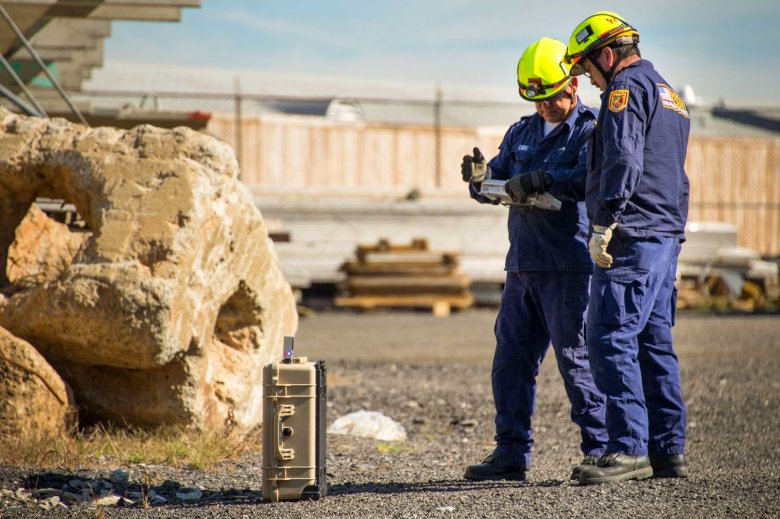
x=733, y=180
x=385, y=148
x=332, y=174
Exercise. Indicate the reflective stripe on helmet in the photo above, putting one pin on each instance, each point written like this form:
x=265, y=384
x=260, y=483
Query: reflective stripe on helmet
x=610, y=27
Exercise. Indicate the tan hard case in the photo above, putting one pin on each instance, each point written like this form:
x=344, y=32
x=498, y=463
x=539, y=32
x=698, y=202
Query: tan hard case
x=294, y=430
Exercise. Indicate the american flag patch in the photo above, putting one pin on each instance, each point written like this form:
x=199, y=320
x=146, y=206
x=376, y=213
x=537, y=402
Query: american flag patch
x=672, y=101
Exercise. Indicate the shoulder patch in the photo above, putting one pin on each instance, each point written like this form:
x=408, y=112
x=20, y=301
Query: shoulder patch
x=671, y=100
x=618, y=100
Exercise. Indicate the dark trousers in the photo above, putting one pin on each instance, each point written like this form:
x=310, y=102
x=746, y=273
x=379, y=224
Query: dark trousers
x=536, y=308
x=630, y=319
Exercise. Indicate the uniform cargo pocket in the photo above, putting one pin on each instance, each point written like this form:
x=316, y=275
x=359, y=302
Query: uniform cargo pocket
x=622, y=298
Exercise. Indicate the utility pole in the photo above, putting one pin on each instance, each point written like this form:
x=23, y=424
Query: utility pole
x=437, y=134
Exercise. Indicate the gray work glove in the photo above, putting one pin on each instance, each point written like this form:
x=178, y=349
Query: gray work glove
x=521, y=186
x=474, y=169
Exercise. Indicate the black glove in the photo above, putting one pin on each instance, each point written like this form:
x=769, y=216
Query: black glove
x=473, y=168
x=521, y=186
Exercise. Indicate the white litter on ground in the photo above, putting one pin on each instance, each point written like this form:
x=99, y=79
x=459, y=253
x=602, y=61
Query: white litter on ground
x=368, y=424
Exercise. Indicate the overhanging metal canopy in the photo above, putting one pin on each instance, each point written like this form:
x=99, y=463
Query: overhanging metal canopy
x=68, y=37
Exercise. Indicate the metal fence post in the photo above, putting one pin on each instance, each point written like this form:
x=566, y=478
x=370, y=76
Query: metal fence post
x=437, y=133
x=239, y=124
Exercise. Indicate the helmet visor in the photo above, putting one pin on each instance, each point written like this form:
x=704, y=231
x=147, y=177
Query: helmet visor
x=576, y=65
x=537, y=91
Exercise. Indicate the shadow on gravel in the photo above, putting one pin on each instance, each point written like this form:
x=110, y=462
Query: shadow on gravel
x=225, y=496
x=449, y=485
x=230, y=497
x=45, y=480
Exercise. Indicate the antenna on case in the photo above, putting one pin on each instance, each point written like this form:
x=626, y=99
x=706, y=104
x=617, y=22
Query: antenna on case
x=288, y=350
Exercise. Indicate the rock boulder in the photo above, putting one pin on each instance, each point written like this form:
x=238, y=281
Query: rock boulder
x=42, y=249
x=174, y=301
x=33, y=397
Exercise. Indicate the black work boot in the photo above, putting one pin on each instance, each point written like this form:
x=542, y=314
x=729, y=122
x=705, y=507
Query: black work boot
x=495, y=467
x=587, y=461
x=675, y=466
x=616, y=466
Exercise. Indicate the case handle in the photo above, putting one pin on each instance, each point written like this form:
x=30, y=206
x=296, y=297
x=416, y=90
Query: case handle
x=282, y=411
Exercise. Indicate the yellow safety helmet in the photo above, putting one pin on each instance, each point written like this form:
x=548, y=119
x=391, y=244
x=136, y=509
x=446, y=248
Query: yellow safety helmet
x=542, y=72
x=596, y=31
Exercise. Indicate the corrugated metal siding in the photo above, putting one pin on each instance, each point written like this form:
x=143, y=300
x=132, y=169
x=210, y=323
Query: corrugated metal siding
x=734, y=180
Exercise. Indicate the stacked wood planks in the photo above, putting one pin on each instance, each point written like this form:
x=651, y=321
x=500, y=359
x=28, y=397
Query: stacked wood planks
x=405, y=276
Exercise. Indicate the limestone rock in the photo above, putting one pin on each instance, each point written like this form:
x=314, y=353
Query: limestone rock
x=33, y=398
x=175, y=301
x=42, y=248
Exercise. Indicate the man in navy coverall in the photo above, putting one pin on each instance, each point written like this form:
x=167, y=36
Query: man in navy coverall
x=637, y=200
x=547, y=267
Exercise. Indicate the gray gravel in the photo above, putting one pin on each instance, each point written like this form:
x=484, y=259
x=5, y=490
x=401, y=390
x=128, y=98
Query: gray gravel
x=433, y=375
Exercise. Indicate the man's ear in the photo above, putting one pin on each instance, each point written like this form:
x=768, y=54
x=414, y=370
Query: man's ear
x=574, y=83
x=609, y=56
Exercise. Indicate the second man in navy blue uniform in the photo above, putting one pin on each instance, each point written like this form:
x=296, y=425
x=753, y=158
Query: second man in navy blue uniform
x=637, y=199
x=548, y=267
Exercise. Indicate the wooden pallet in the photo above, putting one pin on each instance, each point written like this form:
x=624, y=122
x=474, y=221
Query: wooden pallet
x=352, y=268
x=404, y=276
x=440, y=306
x=384, y=245
x=449, y=285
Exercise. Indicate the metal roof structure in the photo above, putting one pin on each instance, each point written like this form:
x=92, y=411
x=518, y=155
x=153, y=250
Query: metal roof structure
x=67, y=36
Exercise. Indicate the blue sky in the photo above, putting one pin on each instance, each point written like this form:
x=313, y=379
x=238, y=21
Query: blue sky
x=724, y=49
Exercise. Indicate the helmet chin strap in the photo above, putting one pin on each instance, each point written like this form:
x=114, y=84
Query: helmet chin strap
x=607, y=75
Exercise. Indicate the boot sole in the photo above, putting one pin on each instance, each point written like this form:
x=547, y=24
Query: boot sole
x=634, y=474
x=511, y=476
x=680, y=472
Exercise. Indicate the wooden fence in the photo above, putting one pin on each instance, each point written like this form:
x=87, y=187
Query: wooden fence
x=737, y=180
x=734, y=180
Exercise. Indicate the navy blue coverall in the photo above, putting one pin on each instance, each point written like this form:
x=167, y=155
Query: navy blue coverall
x=636, y=177
x=545, y=296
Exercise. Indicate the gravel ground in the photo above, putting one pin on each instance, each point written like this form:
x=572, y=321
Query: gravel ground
x=433, y=376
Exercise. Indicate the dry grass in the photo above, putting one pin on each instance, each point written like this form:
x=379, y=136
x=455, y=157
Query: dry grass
x=99, y=446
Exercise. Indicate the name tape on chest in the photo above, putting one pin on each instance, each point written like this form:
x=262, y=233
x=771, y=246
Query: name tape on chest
x=618, y=100
x=671, y=101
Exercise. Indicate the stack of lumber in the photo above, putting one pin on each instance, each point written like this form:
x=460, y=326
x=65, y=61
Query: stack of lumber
x=715, y=273
x=404, y=276
x=725, y=293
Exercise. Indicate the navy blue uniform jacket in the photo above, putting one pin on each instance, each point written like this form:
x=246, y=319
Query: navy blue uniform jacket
x=542, y=240
x=636, y=164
